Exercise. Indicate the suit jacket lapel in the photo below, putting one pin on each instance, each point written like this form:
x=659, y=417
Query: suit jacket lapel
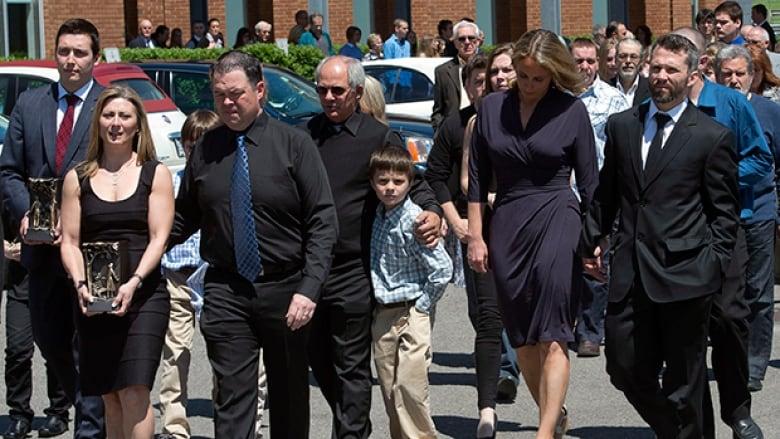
x=454, y=71
x=635, y=131
x=677, y=139
x=49, y=126
x=81, y=127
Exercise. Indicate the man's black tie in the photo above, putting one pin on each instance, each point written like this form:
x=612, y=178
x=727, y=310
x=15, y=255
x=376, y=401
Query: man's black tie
x=654, y=152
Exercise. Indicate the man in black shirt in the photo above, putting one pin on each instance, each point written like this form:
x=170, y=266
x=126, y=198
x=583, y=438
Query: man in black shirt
x=258, y=192
x=340, y=344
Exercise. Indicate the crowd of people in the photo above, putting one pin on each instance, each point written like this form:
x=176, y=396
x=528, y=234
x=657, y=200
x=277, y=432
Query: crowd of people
x=618, y=189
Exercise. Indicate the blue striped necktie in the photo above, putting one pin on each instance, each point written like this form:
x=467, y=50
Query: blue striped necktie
x=245, y=243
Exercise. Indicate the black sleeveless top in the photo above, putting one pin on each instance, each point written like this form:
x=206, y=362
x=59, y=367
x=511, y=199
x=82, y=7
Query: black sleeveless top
x=123, y=220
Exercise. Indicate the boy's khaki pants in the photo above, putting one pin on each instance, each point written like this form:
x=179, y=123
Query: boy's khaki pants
x=402, y=354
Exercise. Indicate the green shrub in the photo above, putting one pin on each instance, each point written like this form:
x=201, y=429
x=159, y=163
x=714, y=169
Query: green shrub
x=300, y=59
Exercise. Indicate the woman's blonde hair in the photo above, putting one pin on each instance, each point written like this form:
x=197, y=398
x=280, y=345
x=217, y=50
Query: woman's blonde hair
x=373, y=100
x=428, y=47
x=546, y=49
x=142, y=142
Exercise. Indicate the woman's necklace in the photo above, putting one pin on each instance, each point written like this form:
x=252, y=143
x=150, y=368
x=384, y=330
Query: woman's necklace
x=116, y=174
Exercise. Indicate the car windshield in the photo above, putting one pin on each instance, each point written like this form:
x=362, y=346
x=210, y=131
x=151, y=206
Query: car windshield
x=402, y=85
x=144, y=87
x=290, y=96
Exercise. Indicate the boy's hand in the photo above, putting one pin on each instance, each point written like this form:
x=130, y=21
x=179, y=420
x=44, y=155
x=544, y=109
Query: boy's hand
x=428, y=225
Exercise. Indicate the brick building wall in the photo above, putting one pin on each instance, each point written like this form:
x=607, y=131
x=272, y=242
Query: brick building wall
x=660, y=16
x=284, y=15
x=106, y=15
x=576, y=17
x=426, y=14
x=339, y=19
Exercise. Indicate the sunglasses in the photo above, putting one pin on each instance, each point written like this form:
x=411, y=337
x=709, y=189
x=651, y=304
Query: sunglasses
x=470, y=38
x=335, y=91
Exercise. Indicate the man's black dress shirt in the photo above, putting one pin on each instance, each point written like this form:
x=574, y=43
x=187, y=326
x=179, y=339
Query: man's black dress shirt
x=345, y=149
x=446, y=159
x=294, y=214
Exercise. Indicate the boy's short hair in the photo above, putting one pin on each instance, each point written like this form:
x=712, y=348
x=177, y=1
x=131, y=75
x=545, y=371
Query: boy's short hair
x=197, y=123
x=391, y=158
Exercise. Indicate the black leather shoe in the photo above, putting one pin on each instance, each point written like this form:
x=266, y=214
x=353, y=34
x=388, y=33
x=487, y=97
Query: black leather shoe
x=747, y=429
x=54, y=426
x=506, y=390
x=18, y=429
x=755, y=385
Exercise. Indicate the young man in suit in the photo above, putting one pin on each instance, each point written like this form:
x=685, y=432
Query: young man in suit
x=47, y=135
x=671, y=173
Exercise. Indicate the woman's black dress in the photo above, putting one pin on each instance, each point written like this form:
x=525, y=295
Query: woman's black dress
x=536, y=223
x=117, y=352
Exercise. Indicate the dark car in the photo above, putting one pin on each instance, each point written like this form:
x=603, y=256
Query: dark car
x=290, y=98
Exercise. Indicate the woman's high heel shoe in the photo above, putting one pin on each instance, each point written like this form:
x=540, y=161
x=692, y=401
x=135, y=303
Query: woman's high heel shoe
x=563, y=424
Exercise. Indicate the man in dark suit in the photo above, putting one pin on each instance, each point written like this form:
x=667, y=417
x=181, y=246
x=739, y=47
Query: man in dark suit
x=448, y=94
x=628, y=81
x=47, y=136
x=671, y=172
x=144, y=39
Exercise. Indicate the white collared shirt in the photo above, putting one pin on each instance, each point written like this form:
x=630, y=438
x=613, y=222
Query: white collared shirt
x=651, y=128
x=81, y=93
x=629, y=94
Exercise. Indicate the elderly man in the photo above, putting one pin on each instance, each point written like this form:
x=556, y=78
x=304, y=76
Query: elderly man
x=734, y=68
x=757, y=35
x=257, y=190
x=448, y=93
x=144, y=38
x=340, y=343
x=730, y=312
x=316, y=36
x=397, y=46
x=263, y=32
x=633, y=86
x=601, y=101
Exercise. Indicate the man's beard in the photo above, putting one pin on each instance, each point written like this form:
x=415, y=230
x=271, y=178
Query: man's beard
x=627, y=77
x=665, y=95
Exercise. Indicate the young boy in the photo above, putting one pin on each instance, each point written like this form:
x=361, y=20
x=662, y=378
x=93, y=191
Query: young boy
x=408, y=279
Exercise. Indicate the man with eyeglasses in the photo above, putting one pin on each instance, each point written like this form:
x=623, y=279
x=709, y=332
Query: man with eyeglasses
x=758, y=36
x=340, y=338
x=628, y=81
x=601, y=100
x=449, y=96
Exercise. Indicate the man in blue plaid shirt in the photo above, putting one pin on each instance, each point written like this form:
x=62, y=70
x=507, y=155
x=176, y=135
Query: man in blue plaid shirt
x=408, y=279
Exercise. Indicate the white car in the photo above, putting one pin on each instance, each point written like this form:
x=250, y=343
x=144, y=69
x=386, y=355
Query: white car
x=165, y=119
x=408, y=84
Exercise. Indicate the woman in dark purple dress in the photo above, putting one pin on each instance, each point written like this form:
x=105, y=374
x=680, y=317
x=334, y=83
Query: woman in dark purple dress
x=532, y=137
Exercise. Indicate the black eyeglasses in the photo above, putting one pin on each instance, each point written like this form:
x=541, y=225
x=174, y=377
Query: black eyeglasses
x=335, y=91
x=470, y=38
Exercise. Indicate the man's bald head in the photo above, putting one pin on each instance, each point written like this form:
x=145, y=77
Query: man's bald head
x=758, y=36
x=693, y=35
x=145, y=28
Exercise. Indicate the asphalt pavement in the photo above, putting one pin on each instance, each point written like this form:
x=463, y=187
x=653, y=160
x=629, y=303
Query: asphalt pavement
x=597, y=410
